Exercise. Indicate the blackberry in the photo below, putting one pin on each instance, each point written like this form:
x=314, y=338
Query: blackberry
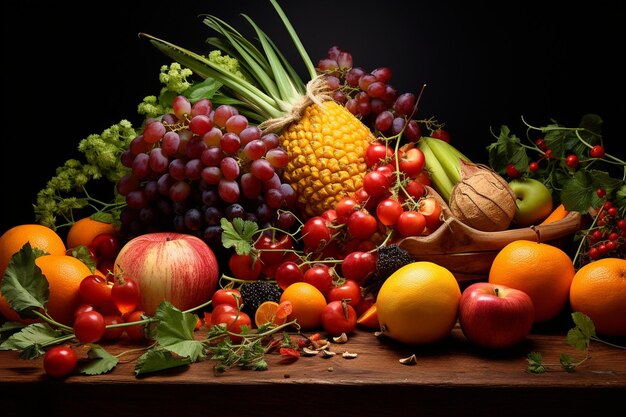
x=256, y=292
x=390, y=259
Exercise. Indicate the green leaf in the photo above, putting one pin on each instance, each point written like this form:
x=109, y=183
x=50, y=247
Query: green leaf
x=585, y=324
x=158, y=360
x=577, y=193
x=577, y=339
x=506, y=150
x=37, y=333
x=205, y=89
x=535, y=365
x=100, y=362
x=103, y=217
x=567, y=362
x=24, y=286
x=238, y=234
x=174, y=332
x=83, y=254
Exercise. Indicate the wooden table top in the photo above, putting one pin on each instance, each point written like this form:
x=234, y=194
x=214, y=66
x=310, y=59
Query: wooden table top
x=449, y=378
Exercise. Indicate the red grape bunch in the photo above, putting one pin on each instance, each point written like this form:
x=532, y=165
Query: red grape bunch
x=370, y=96
x=197, y=165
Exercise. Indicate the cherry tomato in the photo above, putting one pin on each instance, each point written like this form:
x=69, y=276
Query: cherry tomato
x=344, y=208
x=424, y=178
x=113, y=333
x=358, y=265
x=411, y=223
x=126, y=294
x=234, y=321
x=533, y=167
x=105, y=246
x=60, y=361
x=376, y=153
x=95, y=290
x=431, y=210
x=83, y=308
x=136, y=333
x=412, y=162
x=287, y=273
x=272, y=248
x=415, y=189
x=348, y=290
x=230, y=296
x=244, y=267
x=89, y=327
x=220, y=309
x=376, y=184
x=338, y=317
x=362, y=225
x=320, y=276
x=315, y=233
x=388, y=211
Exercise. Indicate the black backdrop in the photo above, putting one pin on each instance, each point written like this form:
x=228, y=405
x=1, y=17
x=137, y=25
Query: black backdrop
x=70, y=71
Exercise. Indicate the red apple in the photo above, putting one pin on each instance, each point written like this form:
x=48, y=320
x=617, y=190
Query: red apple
x=179, y=268
x=495, y=316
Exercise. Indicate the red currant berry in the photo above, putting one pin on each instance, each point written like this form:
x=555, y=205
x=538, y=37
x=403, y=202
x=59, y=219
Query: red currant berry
x=533, y=167
x=541, y=144
x=571, y=161
x=600, y=192
x=511, y=171
x=594, y=253
x=612, y=211
x=597, y=152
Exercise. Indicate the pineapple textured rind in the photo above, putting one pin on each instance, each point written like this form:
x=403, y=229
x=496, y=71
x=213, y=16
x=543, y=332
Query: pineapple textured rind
x=327, y=156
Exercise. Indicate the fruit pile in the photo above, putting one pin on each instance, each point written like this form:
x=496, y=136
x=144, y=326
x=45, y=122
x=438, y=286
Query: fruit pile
x=276, y=205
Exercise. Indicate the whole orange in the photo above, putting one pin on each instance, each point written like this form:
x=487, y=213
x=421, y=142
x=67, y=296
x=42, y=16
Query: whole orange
x=542, y=271
x=64, y=274
x=307, y=304
x=39, y=236
x=599, y=291
x=418, y=304
x=85, y=230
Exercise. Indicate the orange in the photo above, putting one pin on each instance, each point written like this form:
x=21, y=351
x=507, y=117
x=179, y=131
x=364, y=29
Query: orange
x=418, y=304
x=557, y=214
x=272, y=312
x=542, y=271
x=369, y=318
x=599, y=291
x=85, y=230
x=39, y=236
x=64, y=274
x=307, y=304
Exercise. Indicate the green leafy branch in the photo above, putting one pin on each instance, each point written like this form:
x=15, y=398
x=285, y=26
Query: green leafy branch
x=580, y=338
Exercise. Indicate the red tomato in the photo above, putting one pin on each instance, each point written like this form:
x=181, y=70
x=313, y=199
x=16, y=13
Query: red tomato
x=431, y=209
x=60, y=361
x=287, y=273
x=441, y=134
x=126, y=294
x=136, y=333
x=362, y=225
x=412, y=162
x=234, y=322
x=348, y=290
x=411, y=223
x=338, y=317
x=230, y=296
x=105, y=246
x=89, y=327
x=315, y=233
x=272, y=248
x=115, y=332
x=320, y=276
x=388, y=211
x=95, y=290
x=358, y=265
x=220, y=310
x=244, y=267
x=344, y=208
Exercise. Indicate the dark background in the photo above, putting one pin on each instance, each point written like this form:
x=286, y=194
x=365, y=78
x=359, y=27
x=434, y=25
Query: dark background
x=70, y=71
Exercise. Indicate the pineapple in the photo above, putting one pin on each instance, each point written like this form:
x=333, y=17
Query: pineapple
x=326, y=143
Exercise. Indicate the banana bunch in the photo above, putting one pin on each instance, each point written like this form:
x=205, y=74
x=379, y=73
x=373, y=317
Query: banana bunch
x=443, y=163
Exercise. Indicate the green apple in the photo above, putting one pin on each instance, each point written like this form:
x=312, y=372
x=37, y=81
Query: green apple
x=533, y=200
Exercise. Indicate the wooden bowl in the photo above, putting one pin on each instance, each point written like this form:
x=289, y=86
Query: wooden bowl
x=468, y=253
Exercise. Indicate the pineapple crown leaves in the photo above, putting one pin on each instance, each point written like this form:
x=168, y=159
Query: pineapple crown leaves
x=278, y=87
